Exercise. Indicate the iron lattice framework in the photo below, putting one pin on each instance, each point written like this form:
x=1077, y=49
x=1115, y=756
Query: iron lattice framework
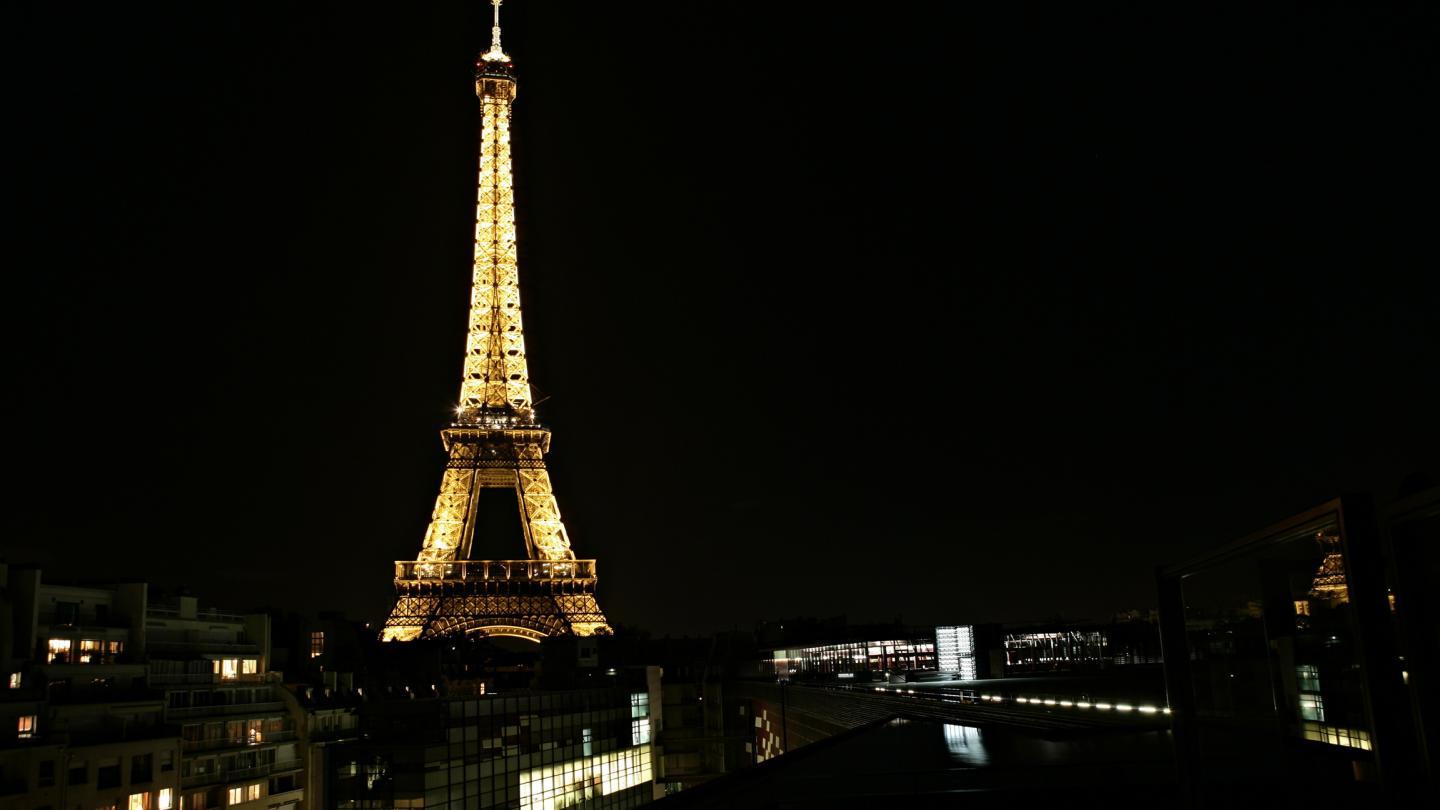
x=495, y=442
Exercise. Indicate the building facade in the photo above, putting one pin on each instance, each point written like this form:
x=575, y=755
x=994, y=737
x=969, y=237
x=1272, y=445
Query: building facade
x=118, y=703
x=238, y=737
x=527, y=749
x=80, y=727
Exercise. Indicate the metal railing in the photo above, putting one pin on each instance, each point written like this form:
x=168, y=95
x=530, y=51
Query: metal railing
x=266, y=738
x=228, y=709
x=173, y=678
x=192, y=641
x=207, y=615
x=239, y=774
x=497, y=570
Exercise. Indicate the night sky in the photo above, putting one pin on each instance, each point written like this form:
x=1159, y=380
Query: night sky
x=897, y=310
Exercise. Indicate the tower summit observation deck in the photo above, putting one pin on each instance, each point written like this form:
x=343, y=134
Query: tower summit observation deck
x=495, y=442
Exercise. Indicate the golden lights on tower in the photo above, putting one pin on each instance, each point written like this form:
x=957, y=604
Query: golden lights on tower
x=494, y=441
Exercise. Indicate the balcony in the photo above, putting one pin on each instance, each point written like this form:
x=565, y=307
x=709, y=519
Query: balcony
x=180, y=678
x=266, y=738
x=222, y=775
x=171, y=612
x=548, y=571
x=264, y=708
x=191, y=642
x=334, y=734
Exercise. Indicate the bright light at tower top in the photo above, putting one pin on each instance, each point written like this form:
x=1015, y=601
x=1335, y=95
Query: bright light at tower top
x=495, y=54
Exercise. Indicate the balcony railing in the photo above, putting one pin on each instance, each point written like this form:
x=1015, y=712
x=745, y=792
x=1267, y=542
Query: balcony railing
x=497, y=570
x=266, y=738
x=174, y=678
x=191, y=642
x=172, y=612
x=240, y=774
x=267, y=708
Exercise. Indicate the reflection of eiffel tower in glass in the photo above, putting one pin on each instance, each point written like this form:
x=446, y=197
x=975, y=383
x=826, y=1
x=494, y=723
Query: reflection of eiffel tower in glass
x=495, y=442
x=1329, y=580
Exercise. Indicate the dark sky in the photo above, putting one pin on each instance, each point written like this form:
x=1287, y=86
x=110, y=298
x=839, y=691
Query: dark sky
x=923, y=310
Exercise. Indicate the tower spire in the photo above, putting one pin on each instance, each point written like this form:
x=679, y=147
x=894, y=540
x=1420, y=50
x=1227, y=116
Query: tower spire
x=495, y=54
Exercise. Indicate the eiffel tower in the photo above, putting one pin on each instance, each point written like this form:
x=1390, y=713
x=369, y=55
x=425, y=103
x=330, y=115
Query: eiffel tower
x=495, y=442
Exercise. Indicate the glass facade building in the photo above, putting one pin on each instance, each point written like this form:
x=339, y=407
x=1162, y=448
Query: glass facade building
x=1054, y=650
x=583, y=748
x=955, y=650
x=855, y=657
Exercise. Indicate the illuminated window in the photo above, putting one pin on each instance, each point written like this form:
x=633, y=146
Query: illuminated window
x=59, y=650
x=955, y=650
x=167, y=798
x=14, y=680
x=1333, y=735
x=1308, y=677
x=1302, y=607
x=1312, y=707
x=317, y=644
x=227, y=668
x=639, y=704
x=640, y=731
x=249, y=666
x=139, y=801
x=25, y=726
x=571, y=783
x=252, y=792
x=234, y=795
x=90, y=650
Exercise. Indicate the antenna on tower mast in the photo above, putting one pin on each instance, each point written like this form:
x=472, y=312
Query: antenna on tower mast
x=495, y=54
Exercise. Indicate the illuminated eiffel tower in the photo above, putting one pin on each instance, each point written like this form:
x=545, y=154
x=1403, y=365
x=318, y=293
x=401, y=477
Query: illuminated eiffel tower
x=495, y=442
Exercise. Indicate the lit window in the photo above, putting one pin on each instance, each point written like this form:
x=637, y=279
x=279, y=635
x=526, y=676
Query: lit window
x=639, y=704
x=166, y=799
x=234, y=795
x=227, y=668
x=59, y=650
x=139, y=801
x=90, y=650
x=249, y=666
x=640, y=731
x=25, y=726
x=317, y=644
x=1312, y=707
x=252, y=792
